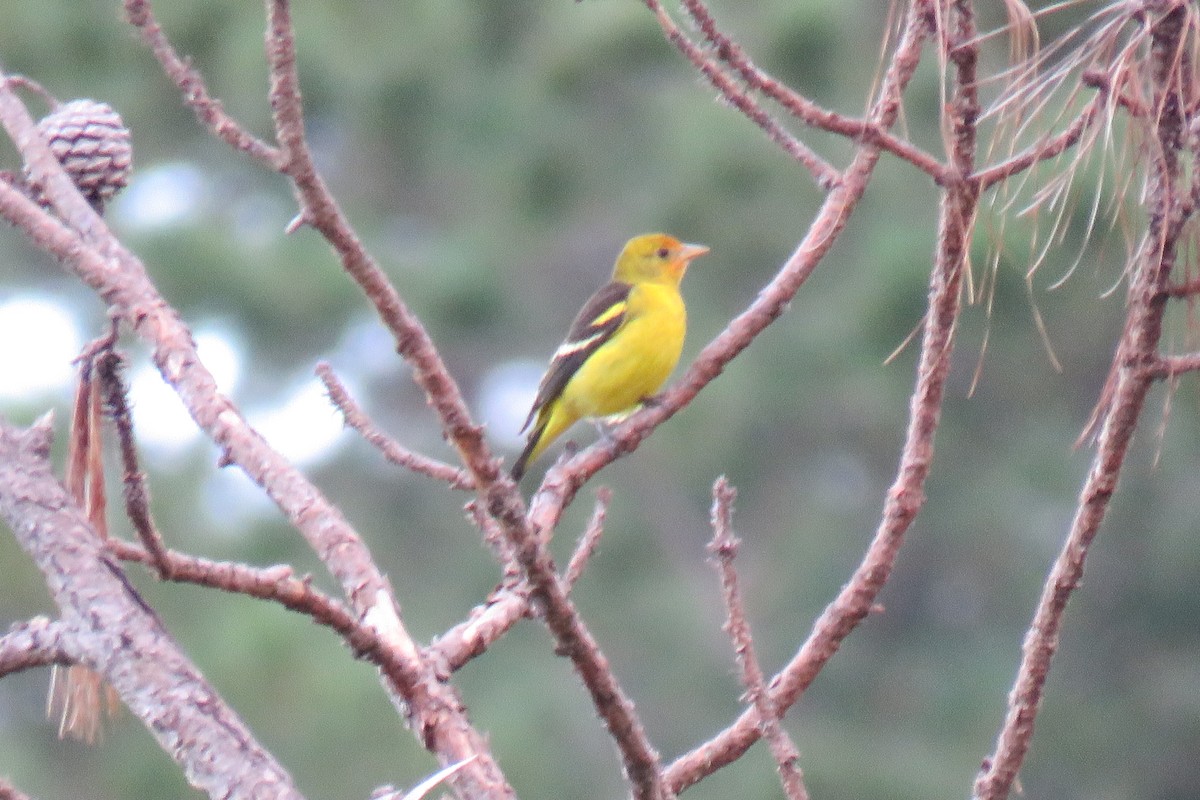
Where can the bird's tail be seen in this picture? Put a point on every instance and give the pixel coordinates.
(549, 425)
(533, 448)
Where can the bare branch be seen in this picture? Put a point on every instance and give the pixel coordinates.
(724, 547)
(1137, 350)
(796, 104)
(486, 624)
(823, 173)
(392, 450)
(106, 626)
(320, 210)
(906, 494)
(590, 539)
(10, 792)
(277, 583)
(510, 603)
(208, 109)
(137, 494)
(575, 641)
(121, 279)
(1167, 367)
(1184, 289)
(36, 643)
(495, 537)
(1049, 147)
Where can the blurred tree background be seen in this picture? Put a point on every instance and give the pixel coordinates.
(496, 156)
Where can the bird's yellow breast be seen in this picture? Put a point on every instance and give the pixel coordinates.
(639, 358)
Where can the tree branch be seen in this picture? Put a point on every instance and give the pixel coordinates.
(106, 626)
(724, 547)
(590, 539)
(10, 792)
(1049, 147)
(320, 210)
(208, 109)
(822, 172)
(486, 623)
(575, 641)
(906, 494)
(1137, 354)
(137, 496)
(1166, 367)
(120, 278)
(36, 643)
(392, 450)
(795, 103)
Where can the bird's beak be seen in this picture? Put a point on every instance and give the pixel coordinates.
(690, 251)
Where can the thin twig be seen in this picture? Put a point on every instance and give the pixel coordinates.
(392, 450)
(208, 109)
(796, 104)
(1137, 350)
(590, 539)
(485, 625)
(35, 643)
(724, 547)
(98, 345)
(137, 493)
(1167, 367)
(905, 497)
(822, 172)
(1184, 289)
(321, 211)
(10, 792)
(1048, 148)
(494, 537)
(277, 584)
(88, 249)
(575, 641)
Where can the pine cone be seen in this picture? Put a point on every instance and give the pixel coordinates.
(90, 141)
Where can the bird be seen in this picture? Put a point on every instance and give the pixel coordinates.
(622, 346)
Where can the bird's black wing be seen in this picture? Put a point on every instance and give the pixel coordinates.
(594, 325)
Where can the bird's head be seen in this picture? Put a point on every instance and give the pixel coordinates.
(656, 258)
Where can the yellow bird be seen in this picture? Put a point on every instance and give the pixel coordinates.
(622, 346)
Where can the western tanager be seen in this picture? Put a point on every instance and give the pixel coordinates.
(621, 347)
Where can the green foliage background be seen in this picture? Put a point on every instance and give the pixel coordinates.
(495, 156)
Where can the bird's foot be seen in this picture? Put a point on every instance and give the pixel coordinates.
(604, 427)
(653, 401)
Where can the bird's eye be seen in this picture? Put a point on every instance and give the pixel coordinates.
(663, 252)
